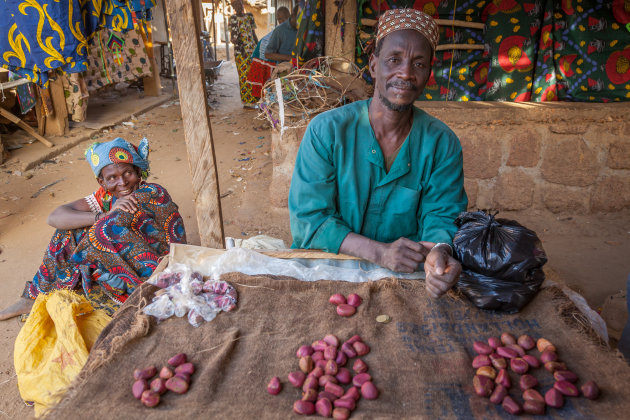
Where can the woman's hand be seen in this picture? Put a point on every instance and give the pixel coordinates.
(128, 204)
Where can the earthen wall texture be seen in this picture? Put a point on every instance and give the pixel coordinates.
(563, 158)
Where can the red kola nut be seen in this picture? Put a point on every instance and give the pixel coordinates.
(565, 375)
(526, 342)
(511, 406)
(177, 384)
(503, 379)
(310, 395)
(533, 395)
(354, 339)
(481, 360)
(348, 350)
(187, 368)
(590, 390)
(507, 352)
(361, 348)
(158, 385)
(518, 349)
(352, 392)
(330, 353)
(341, 358)
(323, 380)
(323, 407)
(138, 387)
(527, 381)
(337, 299)
(482, 348)
(305, 408)
(334, 389)
(274, 387)
(360, 379)
(554, 366)
(487, 371)
(483, 385)
(310, 383)
(554, 398)
(531, 361)
(497, 361)
(519, 365)
(319, 345)
(354, 300)
(318, 355)
(306, 364)
(166, 373)
(346, 310)
(331, 368)
(341, 413)
(566, 388)
(304, 351)
(348, 403)
(507, 338)
(332, 340)
(494, 342)
(327, 395)
(498, 395)
(297, 379)
(543, 344)
(369, 391)
(534, 407)
(183, 376)
(548, 356)
(318, 371)
(320, 364)
(359, 366)
(344, 376)
(178, 359)
(150, 398)
(146, 373)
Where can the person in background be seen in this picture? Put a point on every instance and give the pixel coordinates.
(261, 68)
(282, 39)
(381, 179)
(624, 341)
(109, 242)
(244, 38)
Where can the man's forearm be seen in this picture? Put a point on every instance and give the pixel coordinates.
(361, 247)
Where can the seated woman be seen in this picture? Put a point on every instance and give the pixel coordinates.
(109, 242)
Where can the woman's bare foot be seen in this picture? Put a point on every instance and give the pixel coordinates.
(22, 306)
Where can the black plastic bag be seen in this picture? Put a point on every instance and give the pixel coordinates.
(501, 259)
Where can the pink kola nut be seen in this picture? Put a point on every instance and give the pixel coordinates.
(354, 300)
(334, 389)
(400, 19)
(187, 368)
(337, 299)
(360, 379)
(166, 373)
(344, 376)
(346, 310)
(354, 339)
(481, 360)
(323, 380)
(341, 358)
(158, 385)
(323, 407)
(318, 355)
(319, 345)
(310, 395)
(348, 350)
(274, 387)
(297, 379)
(352, 392)
(340, 413)
(330, 353)
(139, 386)
(177, 360)
(359, 366)
(318, 371)
(331, 368)
(361, 348)
(369, 391)
(332, 340)
(304, 407)
(321, 363)
(348, 403)
(304, 351)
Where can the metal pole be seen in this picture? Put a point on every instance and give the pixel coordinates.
(225, 31)
(214, 29)
(170, 49)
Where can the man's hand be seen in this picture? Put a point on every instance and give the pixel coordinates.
(402, 255)
(128, 203)
(442, 270)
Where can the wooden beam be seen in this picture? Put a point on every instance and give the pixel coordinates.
(185, 32)
(57, 123)
(9, 116)
(440, 22)
(334, 46)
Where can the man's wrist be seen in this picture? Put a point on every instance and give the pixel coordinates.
(445, 246)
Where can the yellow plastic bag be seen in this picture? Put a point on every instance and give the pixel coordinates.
(54, 344)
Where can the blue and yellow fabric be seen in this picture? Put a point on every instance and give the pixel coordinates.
(119, 150)
(41, 35)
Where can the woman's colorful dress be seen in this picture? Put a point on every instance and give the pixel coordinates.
(244, 40)
(112, 257)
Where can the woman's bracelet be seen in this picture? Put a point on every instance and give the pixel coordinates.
(97, 216)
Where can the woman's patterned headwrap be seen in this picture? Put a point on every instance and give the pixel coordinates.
(399, 19)
(119, 150)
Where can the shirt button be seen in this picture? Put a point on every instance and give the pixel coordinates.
(409, 164)
(373, 151)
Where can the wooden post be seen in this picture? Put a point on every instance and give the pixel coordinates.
(184, 24)
(57, 124)
(334, 46)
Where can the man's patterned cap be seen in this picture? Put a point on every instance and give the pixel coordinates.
(399, 19)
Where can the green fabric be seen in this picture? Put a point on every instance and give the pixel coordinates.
(340, 184)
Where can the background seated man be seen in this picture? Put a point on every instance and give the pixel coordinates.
(282, 14)
(381, 179)
(283, 39)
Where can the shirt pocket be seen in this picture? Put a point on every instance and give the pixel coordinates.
(401, 212)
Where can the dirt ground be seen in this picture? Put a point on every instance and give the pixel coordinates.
(589, 253)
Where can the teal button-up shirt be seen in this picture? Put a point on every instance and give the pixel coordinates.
(340, 185)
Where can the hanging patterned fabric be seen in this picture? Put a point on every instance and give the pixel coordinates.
(538, 50)
(309, 42)
(37, 36)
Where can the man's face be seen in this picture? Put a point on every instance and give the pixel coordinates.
(401, 69)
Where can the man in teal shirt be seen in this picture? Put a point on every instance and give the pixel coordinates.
(381, 179)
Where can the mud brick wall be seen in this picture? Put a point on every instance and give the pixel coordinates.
(561, 157)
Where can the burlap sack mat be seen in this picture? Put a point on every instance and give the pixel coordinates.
(421, 361)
